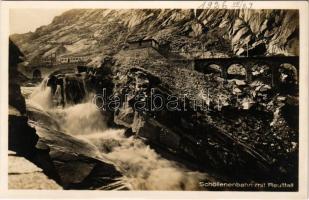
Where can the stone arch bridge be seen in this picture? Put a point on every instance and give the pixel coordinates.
(273, 62)
(44, 70)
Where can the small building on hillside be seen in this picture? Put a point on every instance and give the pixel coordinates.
(41, 60)
(74, 59)
(142, 42)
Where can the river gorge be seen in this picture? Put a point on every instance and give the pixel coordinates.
(144, 99)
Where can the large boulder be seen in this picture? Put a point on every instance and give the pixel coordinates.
(76, 162)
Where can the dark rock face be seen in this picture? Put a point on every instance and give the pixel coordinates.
(15, 98)
(67, 89)
(75, 90)
(22, 138)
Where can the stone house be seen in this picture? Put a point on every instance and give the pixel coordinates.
(139, 43)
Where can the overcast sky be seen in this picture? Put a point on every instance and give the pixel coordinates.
(25, 20)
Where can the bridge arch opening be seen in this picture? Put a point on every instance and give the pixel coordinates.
(288, 78)
(213, 69)
(289, 71)
(261, 72)
(36, 74)
(236, 71)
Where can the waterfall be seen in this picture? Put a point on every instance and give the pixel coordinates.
(42, 95)
(57, 98)
(59, 91)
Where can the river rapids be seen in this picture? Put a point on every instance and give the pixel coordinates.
(141, 166)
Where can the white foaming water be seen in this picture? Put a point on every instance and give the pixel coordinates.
(141, 166)
(81, 119)
(42, 96)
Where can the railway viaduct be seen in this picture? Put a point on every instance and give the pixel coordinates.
(41, 70)
(223, 64)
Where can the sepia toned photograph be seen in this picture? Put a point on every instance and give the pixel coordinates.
(203, 99)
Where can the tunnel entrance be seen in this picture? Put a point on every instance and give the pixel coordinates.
(36, 75)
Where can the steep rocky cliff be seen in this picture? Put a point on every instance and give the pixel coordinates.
(229, 32)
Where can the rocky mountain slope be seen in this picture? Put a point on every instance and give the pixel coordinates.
(99, 31)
